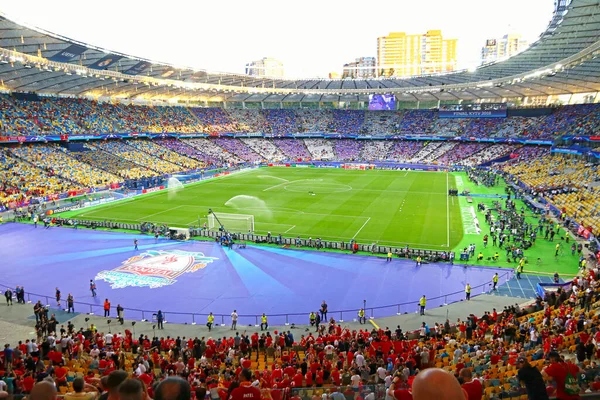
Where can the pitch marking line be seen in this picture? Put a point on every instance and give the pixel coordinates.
(361, 228)
(160, 212)
(447, 211)
(290, 229)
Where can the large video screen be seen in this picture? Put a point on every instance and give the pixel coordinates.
(382, 102)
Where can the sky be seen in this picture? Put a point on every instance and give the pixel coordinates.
(310, 37)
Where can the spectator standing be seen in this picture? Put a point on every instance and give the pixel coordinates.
(565, 375)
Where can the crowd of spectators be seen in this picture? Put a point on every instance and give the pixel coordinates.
(404, 151)
(238, 148)
(214, 154)
(166, 155)
(376, 150)
(320, 149)
(348, 149)
(279, 121)
(138, 157)
(70, 116)
(460, 152)
(489, 154)
(22, 181)
(346, 121)
(100, 159)
(184, 148)
(294, 149)
(56, 160)
(265, 148)
(569, 183)
(517, 351)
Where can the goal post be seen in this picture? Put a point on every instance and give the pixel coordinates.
(241, 223)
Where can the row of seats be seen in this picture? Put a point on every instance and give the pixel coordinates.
(63, 116)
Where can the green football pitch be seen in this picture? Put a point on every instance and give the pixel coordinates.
(388, 207)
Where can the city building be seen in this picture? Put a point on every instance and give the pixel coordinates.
(402, 55)
(500, 49)
(362, 67)
(266, 66)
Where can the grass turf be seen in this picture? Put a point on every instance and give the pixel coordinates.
(388, 207)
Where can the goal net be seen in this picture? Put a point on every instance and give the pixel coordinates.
(241, 223)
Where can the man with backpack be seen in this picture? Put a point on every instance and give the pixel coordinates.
(564, 375)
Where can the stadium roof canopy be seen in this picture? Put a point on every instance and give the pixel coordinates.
(564, 60)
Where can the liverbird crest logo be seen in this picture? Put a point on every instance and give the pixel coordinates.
(154, 268)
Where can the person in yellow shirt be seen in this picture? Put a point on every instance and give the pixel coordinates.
(422, 304)
(495, 281)
(210, 321)
(361, 317)
(468, 291)
(389, 255)
(264, 324)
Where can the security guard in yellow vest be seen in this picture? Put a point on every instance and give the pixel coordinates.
(495, 280)
(361, 316)
(422, 304)
(264, 325)
(210, 321)
(468, 291)
(312, 317)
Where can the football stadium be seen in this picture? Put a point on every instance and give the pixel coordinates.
(178, 233)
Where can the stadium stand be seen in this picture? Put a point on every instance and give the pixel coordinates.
(492, 347)
(568, 183)
(214, 154)
(237, 147)
(264, 148)
(58, 161)
(294, 149)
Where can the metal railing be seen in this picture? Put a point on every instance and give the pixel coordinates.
(97, 308)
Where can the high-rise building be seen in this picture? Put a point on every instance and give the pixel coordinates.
(500, 49)
(362, 67)
(399, 54)
(266, 66)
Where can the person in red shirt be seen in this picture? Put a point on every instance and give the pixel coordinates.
(558, 370)
(335, 377)
(298, 379)
(289, 370)
(309, 379)
(399, 390)
(60, 374)
(473, 387)
(28, 383)
(245, 391)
